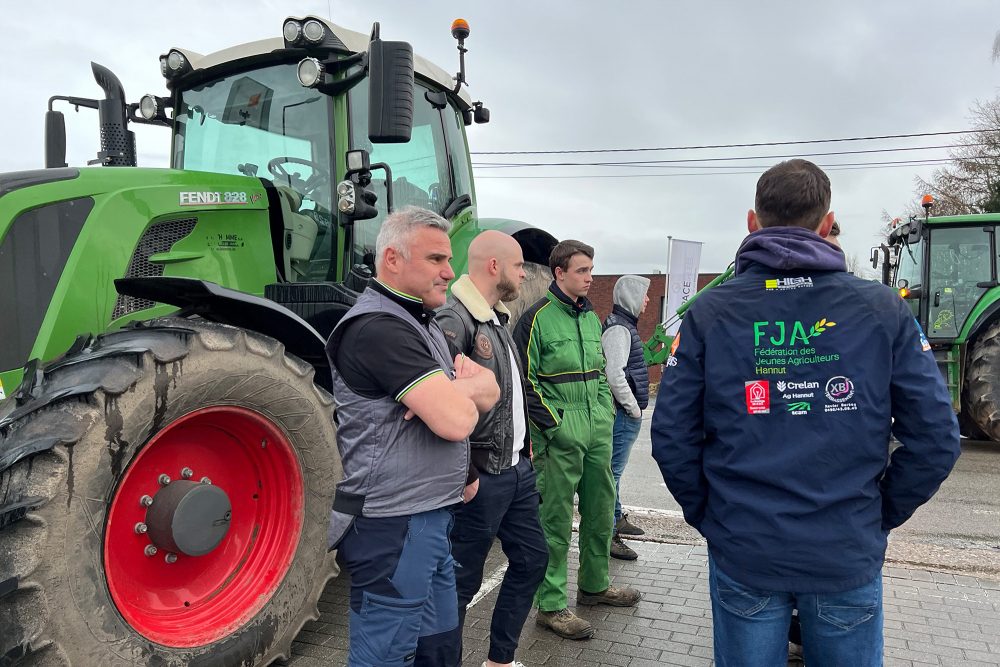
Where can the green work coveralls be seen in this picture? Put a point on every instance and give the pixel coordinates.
(570, 418)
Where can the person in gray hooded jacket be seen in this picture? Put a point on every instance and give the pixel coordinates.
(629, 381)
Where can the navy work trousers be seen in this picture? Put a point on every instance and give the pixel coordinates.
(505, 507)
(403, 596)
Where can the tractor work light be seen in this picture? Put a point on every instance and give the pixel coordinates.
(175, 61)
(346, 194)
(291, 31)
(927, 201)
(309, 72)
(148, 107)
(313, 31)
(358, 161)
(174, 64)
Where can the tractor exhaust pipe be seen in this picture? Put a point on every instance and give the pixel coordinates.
(117, 141)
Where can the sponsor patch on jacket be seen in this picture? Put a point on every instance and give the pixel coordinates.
(925, 344)
(758, 397)
(672, 359)
(839, 391)
(483, 347)
(787, 283)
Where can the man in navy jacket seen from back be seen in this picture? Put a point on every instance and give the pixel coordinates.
(772, 428)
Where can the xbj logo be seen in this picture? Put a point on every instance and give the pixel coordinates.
(839, 389)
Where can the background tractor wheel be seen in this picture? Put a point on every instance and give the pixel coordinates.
(164, 499)
(981, 406)
(535, 285)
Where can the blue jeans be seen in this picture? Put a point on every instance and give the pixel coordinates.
(506, 507)
(403, 596)
(838, 629)
(625, 432)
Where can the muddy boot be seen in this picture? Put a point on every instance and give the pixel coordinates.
(615, 597)
(565, 623)
(625, 527)
(620, 550)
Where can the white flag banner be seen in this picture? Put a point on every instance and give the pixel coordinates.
(682, 278)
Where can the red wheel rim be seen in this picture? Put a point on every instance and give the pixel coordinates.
(196, 600)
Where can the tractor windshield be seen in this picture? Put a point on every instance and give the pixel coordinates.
(960, 271)
(431, 170)
(264, 123)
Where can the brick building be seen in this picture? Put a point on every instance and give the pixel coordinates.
(601, 296)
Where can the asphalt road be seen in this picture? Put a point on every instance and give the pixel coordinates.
(958, 530)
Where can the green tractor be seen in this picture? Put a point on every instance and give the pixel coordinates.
(945, 267)
(167, 443)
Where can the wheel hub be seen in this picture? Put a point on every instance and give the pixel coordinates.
(189, 518)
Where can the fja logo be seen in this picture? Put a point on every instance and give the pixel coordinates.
(758, 397)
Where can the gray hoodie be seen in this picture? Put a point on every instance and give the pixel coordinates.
(629, 292)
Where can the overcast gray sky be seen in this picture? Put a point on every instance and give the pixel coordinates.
(584, 75)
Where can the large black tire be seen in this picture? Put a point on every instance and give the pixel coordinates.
(981, 401)
(97, 407)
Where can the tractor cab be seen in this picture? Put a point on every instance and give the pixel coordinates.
(290, 110)
(945, 268)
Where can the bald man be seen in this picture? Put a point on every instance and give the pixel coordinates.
(506, 505)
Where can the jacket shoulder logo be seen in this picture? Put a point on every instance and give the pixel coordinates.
(483, 347)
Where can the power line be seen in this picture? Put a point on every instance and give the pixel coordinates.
(650, 163)
(711, 146)
(834, 167)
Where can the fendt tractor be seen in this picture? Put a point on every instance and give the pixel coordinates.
(945, 267)
(167, 443)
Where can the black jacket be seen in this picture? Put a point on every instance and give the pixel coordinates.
(467, 322)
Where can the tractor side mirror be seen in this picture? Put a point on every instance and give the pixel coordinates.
(55, 139)
(874, 257)
(390, 92)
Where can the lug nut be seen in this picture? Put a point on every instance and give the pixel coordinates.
(187, 473)
(164, 479)
(170, 558)
(150, 550)
(140, 528)
(206, 480)
(146, 501)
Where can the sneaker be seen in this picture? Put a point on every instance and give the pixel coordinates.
(620, 550)
(625, 527)
(615, 597)
(565, 623)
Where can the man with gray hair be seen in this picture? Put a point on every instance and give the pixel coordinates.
(405, 410)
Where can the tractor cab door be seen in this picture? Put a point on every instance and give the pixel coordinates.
(263, 123)
(961, 267)
(430, 171)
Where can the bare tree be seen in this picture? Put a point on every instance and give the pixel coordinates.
(971, 183)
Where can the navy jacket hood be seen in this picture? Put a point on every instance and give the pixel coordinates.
(789, 249)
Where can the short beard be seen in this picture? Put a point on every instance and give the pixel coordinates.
(508, 290)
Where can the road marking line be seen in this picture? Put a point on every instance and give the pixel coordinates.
(653, 512)
(489, 584)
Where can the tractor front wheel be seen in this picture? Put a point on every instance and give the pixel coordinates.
(168, 503)
(980, 416)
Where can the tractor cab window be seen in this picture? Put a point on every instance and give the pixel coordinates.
(909, 270)
(263, 123)
(428, 171)
(959, 260)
